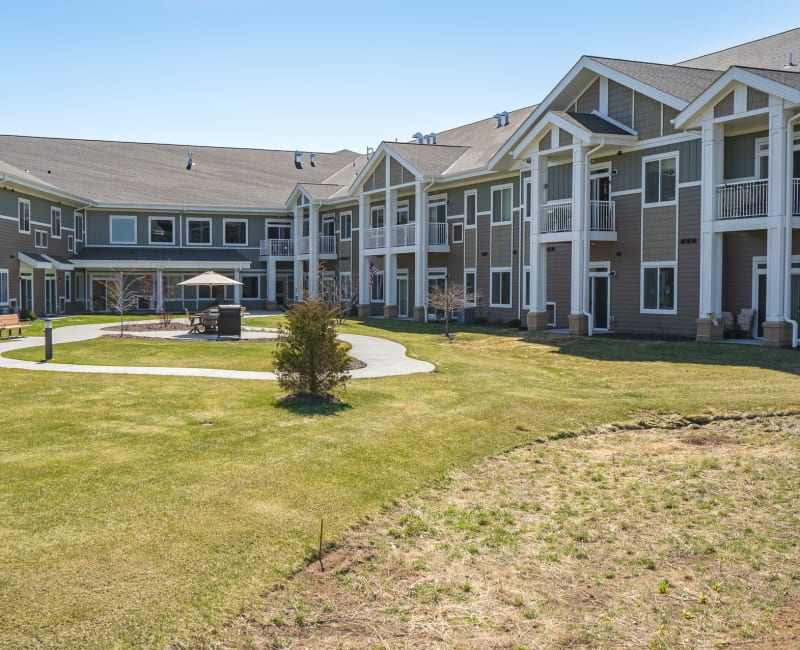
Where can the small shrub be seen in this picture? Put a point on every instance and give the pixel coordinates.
(514, 323)
(480, 320)
(27, 314)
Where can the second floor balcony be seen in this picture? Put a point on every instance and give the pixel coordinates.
(742, 200)
(276, 248)
(556, 216)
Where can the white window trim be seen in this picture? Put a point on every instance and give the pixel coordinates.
(119, 217)
(150, 231)
(39, 238)
(501, 269)
(258, 277)
(4, 274)
(348, 215)
(469, 193)
(55, 218)
(760, 153)
(246, 231)
(460, 226)
(373, 210)
(547, 304)
(661, 156)
(70, 243)
(475, 273)
(348, 276)
(382, 299)
(526, 277)
(659, 265)
(20, 204)
(210, 231)
(76, 214)
(402, 206)
(67, 286)
(501, 188)
(527, 210)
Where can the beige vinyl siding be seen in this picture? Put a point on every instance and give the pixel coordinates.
(559, 258)
(756, 99)
(620, 103)
(724, 106)
(590, 99)
(659, 229)
(738, 251)
(647, 117)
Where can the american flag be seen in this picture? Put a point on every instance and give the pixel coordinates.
(373, 271)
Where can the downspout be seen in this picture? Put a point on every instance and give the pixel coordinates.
(426, 233)
(586, 226)
(521, 258)
(787, 292)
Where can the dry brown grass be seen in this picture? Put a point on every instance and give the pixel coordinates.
(676, 535)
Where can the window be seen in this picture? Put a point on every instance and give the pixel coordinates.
(24, 210)
(470, 285)
(198, 232)
(68, 286)
(501, 288)
(250, 287)
(70, 244)
(458, 233)
(78, 225)
(528, 197)
(345, 286)
(162, 230)
(762, 157)
(502, 204)
(376, 217)
(40, 238)
(122, 230)
(3, 286)
(376, 290)
(470, 208)
(346, 225)
(401, 214)
(660, 179)
(526, 299)
(235, 232)
(55, 222)
(437, 210)
(658, 288)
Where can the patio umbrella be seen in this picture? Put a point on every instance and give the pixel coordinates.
(209, 278)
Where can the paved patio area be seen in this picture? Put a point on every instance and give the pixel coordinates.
(382, 358)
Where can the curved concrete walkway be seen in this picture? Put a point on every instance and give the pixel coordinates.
(383, 358)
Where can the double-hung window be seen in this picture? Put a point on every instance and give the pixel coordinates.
(198, 232)
(502, 204)
(660, 179)
(470, 286)
(162, 230)
(235, 232)
(55, 222)
(658, 288)
(122, 229)
(376, 290)
(470, 209)
(78, 216)
(3, 286)
(501, 288)
(346, 225)
(24, 212)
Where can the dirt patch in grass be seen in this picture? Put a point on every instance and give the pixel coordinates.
(682, 535)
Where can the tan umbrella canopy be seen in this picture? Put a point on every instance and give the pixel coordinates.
(210, 279)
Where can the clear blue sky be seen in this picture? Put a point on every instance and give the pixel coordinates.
(321, 76)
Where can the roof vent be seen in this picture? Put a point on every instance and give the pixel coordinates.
(298, 159)
(189, 163)
(791, 63)
(370, 151)
(313, 160)
(418, 137)
(500, 119)
(431, 138)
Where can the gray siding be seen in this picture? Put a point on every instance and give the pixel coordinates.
(559, 258)
(559, 182)
(501, 245)
(398, 175)
(629, 165)
(740, 155)
(669, 114)
(620, 103)
(647, 117)
(738, 251)
(376, 180)
(564, 138)
(545, 142)
(756, 99)
(590, 99)
(688, 263)
(658, 234)
(724, 106)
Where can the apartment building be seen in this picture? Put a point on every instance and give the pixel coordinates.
(637, 197)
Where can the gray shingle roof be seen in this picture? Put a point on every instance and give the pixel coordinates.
(156, 174)
(592, 123)
(428, 159)
(785, 77)
(771, 52)
(681, 82)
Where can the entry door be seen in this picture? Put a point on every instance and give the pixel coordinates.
(599, 297)
(280, 289)
(761, 301)
(50, 295)
(402, 296)
(26, 292)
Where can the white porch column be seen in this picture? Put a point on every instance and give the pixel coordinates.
(710, 240)
(313, 250)
(537, 316)
(272, 267)
(237, 289)
(297, 229)
(159, 291)
(420, 252)
(363, 260)
(578, 322)
(389, 260)
(777, 270)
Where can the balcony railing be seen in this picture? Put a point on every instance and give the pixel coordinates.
(602, 216)
(557, 216)
(327, 245)
(374, 238)
(404, 234)
(437, 234)
(742, 200)
(796, 197)
(303, 246)
(277, 247)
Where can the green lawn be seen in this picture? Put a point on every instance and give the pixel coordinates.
(139, 510)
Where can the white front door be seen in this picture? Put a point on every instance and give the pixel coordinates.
(402, 294)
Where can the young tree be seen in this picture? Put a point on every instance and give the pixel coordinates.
(309, 361)
(124, 293)
(450, 298)
(339, 294)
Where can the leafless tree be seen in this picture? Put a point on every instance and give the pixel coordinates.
(124, 293)
(450, 298)
(339, 293)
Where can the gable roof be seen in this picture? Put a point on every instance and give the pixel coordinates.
(771, 52)
(593, 123)
(132, 173)
(427, 159)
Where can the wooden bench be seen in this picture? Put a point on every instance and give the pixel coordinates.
(11, 322)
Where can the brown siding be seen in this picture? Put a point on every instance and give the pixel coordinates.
(625, 262)
(545, 142)
(658, 234)
(395, 172)
(688, 263)
(669, 114)
(647, 117)
(724, 106)
(738, 251)
(590, 100)
(482, 277)
(501, 245)
(620, 103)
(559, 258)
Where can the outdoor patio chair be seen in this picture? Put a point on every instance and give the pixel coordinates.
(744, 322)
(728, 324)
(194, 322)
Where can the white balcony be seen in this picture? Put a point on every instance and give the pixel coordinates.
(404, 234)
(796, 197)
(327, 245)
(742, 200)
(276, 248)
(374, 238)
(556, 216)
(303, 246)
(437, 234)
(602, 216)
